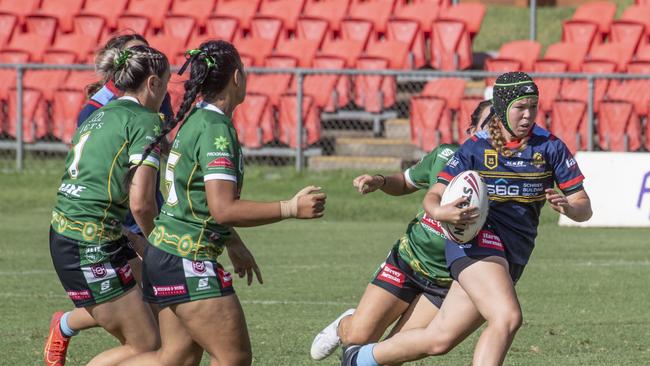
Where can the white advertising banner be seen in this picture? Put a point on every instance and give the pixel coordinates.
(619, 187)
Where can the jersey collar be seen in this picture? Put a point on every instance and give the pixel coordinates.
(210, 107)
(128, 97)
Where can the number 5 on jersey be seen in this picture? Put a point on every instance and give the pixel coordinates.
(172, 198)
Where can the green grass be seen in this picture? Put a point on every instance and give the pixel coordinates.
(584, 295)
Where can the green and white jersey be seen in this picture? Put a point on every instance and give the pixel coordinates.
(423, 246)
(92, 200)
(205, 148)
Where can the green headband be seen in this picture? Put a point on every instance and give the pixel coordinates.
(120, 61)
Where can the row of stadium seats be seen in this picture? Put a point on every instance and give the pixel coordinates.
(287, 27)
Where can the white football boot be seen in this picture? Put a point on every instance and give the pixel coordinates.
(326, 342)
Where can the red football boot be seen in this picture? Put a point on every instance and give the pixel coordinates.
(57, 344)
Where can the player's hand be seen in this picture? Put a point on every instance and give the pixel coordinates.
(310, 203)
(243, 262)
(456, 213)
(367, 183)
(557, 201)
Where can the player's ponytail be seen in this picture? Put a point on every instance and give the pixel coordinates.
(104, 66)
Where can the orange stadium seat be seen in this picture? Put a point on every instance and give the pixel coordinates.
(303, 50)
(55, 78)
(272, 85)
(255, 48)
(171, 46)
(34, 115)
(581, 32)
(134, 23)
(636, 92)
(315, 29)
(408, 31)
(430, 122)
(200, 10)
(8, 24)
(628, 32)
(500, 65)
(449, 89)
(110, 10)
(268, 28)
(287, 10)
(45, 26)
(79, 80)
(471, 14)
(90, 26)
(73, 43)
(348, 49)
(330, 91)
(421, 12)
(467, 106)
(242, 10)
(600, 12)
(524, 51)
(549, 88)
(333, 11)
(33, 44)
(570, 53)
(377, 12)
(396, 52)
(59, 57)
(20, 8)
(569, 123)
(287, 121)
(155, 10)
(64, 14)
(639, 14)
(374, 92)
(254, 121)
(66, 107)
(357, 30)
(618, 53)
(451, 47)
(619, 128)
(578, 89)
(221, 27)
(180, 26)
(8, 76)
(176, 89)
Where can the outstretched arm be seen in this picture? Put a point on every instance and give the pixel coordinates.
(576, 206)
(394, 184)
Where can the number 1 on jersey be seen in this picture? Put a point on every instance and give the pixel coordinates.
(172, 198)
(73, 170)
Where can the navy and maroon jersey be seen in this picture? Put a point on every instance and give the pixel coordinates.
(516, 184)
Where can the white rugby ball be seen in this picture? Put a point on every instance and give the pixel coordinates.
(466, 184)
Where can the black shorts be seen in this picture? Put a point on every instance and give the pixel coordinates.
(168, 279)
(398, 278)
(91, 273)
(516, 270)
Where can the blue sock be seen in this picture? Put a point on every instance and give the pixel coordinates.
(365, 357)
(65, 328)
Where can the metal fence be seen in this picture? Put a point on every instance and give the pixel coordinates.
(299, 120)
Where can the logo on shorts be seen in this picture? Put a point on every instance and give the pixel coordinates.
(169, 290)
(98, 270)
(126, 274)
(204, 284)
(392, 275)
(105, 286)
(224, 277)
(79, 295)
(488, 239)
(92, 254)
(198, 267)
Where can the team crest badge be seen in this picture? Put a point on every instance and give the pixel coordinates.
(490, 159)
(538, 160)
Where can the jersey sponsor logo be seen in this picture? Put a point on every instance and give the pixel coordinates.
(570, 163)
(221, 163)
(125, 273)
(538, 160)
(392, 275)
(453, 162)
(446, 153)
(515, 163)
(224, 277)
(198, 267)
(221, 143)
(71, 189)
(98, 270)
(490, 159)
(433, 225)
(172, 290)
(488, 239)
(218, 153)
(79, 295)
(503, 188)
(92, 254)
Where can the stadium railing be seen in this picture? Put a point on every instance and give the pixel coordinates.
(374, 96)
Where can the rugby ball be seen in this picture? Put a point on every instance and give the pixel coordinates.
(466, 184)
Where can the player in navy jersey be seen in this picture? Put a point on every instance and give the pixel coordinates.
(520, 163)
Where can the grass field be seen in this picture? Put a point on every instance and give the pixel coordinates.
(584, 295)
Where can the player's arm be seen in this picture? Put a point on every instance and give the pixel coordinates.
(142, 197)
(242, 259)
(394, 184)
(227, 209)
(574, 202)
(576, 206)
(450, 213)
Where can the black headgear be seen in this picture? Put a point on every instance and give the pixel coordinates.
(509, 88)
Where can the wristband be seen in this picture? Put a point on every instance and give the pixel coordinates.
(289, 209)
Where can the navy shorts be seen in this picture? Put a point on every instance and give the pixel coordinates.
(398, 278)
(91, 273)
(168, 279)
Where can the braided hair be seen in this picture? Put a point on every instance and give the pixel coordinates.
(475, 121)
(212, 66)
(105, 68)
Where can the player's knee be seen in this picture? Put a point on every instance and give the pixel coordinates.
(351, 333)
(146, 342)
(234, 359)
(438, 346)
(507, 322)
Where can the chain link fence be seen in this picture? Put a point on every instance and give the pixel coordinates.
(335, 118)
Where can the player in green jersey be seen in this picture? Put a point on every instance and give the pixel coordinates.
(413, 281)
(205, 174)
(107, 173)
